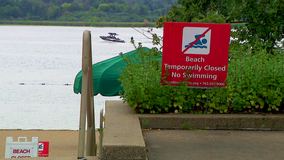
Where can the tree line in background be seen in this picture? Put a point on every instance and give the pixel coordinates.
(85, 10)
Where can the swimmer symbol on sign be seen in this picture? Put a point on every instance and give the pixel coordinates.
(196, 40)
(40, 146)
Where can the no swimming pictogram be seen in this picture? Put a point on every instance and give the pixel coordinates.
(196, 40)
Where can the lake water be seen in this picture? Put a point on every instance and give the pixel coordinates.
(36, 63)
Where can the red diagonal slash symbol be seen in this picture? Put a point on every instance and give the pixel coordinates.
(196, 40)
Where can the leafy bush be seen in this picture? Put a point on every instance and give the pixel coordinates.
(255, 84)
(141, 82)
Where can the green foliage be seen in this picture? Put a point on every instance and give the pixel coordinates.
(52, 12)
(139, 79)
(66, 6)
(212, 11)
(84, 10)
(255, 71)
(95, 19)
(264, 24)
(255, 84)
(209, 17)
(141, 82)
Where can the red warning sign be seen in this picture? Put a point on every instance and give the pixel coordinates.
(43, 149)
(201, 48)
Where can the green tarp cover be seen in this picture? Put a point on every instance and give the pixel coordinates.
(105, 75)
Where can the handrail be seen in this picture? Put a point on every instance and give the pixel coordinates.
(87, 101)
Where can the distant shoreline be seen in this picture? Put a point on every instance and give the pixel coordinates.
(88, 24)
(81, 24)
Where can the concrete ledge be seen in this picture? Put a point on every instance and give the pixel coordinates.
(211, 121)
(123, 138)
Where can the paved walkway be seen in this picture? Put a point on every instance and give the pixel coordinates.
(123, 137)
(214, 145)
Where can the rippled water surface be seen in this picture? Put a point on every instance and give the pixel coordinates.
(36, 63)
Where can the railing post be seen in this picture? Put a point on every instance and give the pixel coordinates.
(91, 134)
(101, 130)
(87, 101)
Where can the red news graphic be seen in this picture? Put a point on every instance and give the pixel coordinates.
(200, 48)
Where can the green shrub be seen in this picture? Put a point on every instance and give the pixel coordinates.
(141, 82)
(254, 84)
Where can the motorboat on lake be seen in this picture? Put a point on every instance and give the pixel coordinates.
(112, 37)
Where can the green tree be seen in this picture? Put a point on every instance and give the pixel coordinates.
(209, 17)
(264, 22)
(76, 7)
(95, 19)
(264, 19)
(83, 10)
(8, 11)
(112, 8)
(144, 10)
(192, 9)
(38, 7)
(23, 7)
(53, 12)
(66, 6)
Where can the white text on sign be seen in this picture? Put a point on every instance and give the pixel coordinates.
(190, 59)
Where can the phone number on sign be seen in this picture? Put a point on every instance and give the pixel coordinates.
(213, 84)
